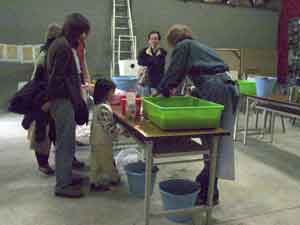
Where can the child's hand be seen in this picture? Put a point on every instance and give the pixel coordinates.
(125, 133)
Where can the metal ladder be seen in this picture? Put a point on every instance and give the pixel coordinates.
(122, 39)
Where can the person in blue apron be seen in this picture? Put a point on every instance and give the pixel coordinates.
(208, 73)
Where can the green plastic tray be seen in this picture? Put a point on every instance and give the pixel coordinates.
(247, 87)
(182, 112)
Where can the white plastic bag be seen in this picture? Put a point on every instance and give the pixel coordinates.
(125, 157)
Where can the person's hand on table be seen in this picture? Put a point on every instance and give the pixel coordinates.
(165, 93)
(155, 94)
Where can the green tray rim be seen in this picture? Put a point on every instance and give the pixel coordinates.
(212, 106)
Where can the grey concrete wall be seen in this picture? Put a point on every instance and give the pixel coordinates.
(217, 26)
(25, 22)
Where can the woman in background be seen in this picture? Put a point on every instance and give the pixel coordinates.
(152, 59)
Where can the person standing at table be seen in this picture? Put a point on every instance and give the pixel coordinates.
(207, 71)
(104, 129)
(66, 103)
(152, 59)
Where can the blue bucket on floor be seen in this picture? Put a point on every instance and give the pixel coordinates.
(125, 83)
(136, 178)
(265, 86)
(179, 194)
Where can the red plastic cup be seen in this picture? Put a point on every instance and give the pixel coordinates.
(123, 105)
(138, 105)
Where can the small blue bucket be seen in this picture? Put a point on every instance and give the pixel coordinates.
(265, 86)
(125, 83)
(136, 178)
(178, 194)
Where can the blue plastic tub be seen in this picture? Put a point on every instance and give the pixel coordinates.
(178, 194)
(125, 83)
(136, 178)
(265, 86)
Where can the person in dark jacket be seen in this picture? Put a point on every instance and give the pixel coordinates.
(207, 71)
(39, 121)
(153, 60)
(66, 101)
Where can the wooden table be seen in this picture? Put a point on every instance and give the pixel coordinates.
(159, 143)
(276, 105)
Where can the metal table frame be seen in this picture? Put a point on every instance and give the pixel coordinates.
(276, 105)
(139, 129)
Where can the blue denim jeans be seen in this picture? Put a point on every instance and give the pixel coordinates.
(64, 118)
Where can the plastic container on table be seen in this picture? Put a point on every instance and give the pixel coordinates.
(265, 86)
(247, 87)
(125, 83)
(182, 112)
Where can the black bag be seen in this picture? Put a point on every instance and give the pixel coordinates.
(81, 114)
(79, 105)
(28, 98)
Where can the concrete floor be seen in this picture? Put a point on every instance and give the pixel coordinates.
(266, 191)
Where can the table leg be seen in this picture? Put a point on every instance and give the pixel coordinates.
(148, 174)
(213, 145)
(256, 119)
(270, 123)
(283, 124)
(236, 124)
(273, 116)
(263, 130)
(246, 121)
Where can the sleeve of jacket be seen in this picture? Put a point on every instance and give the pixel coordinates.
(142, 61)
(176, 71)
(62, 60)
(105, 118)
(159, 60)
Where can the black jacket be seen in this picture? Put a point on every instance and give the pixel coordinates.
(64, 79)
(29, 100)
(155, 62)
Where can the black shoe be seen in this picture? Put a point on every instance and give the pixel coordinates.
(115, 183)
(70, 191)
(202, 200)
(47, 170)
(77, 179)
(81, 144)
(77, 164)
(99, 188)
